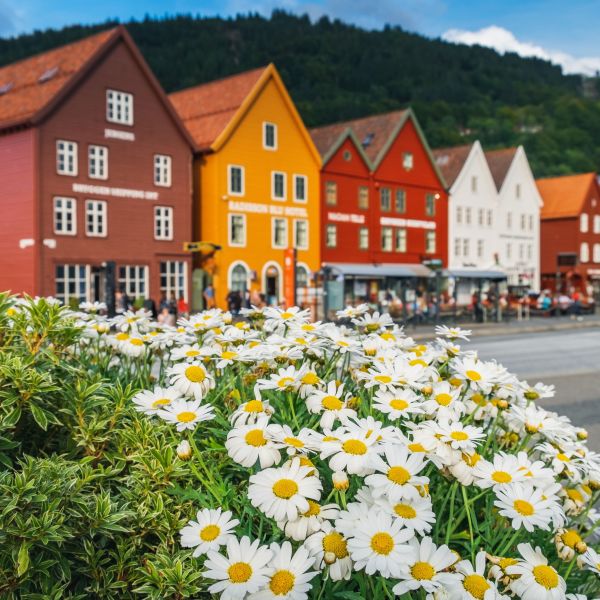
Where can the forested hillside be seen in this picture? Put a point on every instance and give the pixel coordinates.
(337, 71)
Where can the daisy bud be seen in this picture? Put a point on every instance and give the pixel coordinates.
(581, 547)
(531, 395)
(340, 480)
(329, 558)
(427, 389)
(353, 402)
(594, 484)
(184, 450)
(502, 404)
(582, 434)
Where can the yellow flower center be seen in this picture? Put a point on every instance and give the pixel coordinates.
(313, 509)
(332, 403)
(563, 457)
(417, 361)
(161, 402)
(443, 399)
(571, 538)
(398, 404)
(342, 343)
(292, 441)
(479, 399)
(455, 382)
(282, 582)
(210, 533)
(310, 379)
(228, 354)
(285, 488)
(136, 342)
(471, 459)
(255, 438)
(398, 475)
(285, 381)
(192, 353)
(195, 374)
(422, 570)
(574, 495)
(459, 436)
(523, 507)
(473, 375)
(382, 543)
(405, 511)
(476, 585)
(287, 315)
(186, 416)
(501, 477)
(383, 378)
(354, 447)
(387, 336)
(253, 406)
(416, 447)
(545, 576)
(333, 542)
(239, 572)
(122, 336)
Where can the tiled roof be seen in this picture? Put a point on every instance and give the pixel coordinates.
(450, 161)
(25, 95)
(207, 109)
(376, 130)
(499, 162)
(564, 196)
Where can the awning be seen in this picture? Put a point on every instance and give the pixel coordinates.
(379, 271)
(475, 274)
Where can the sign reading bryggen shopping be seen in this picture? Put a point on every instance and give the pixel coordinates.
(117, 192)
(414, 223)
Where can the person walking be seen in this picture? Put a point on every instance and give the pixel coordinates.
(209, 296)
(183, 309)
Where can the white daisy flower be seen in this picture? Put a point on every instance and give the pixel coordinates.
(286, 379)
(186, 414)
(452, 333)
(590, 560)
(251, 411)
(330, 404)
(397, 403)
(503, 470)
(191, 379)
(474, 584)
(415, 513)
(303, 442)
(209, 531)
(310, 521)
(460, 437)
(351, 312)
(443, 402)
(478, 374)
(329, 548)
(248, 444)
(189, 352)
(150, 402)
(350, 451)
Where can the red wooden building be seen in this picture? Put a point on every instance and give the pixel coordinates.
(570, 233)
(384, 205)
(96, 172)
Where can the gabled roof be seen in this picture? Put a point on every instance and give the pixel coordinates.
(207, 109)
(26, 95)
(451, 161)
(499, 162)
(564, 196)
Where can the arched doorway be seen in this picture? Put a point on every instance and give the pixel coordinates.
(272, 283)
(239, 275)
(302, 280)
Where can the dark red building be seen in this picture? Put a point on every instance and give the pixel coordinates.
(96, 172)
(384, 205)
(570, 233)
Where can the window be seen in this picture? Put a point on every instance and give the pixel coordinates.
(457, 246)
(95, 218)
(162, 170)
(508, 250)
(386, 239)
(518, 190)
(300, 186)
(163, 223)
(466, 247)
(596, 223)
(400, 201)
(468, 215)
(430, 205)
(363, 238)
(331, 193)
(302, 276)
(173, 279)
(490, 219)
(363, 197)
(279, 235)
(474, 183)
(239, 278)
(523, 222)
(407, 161)
(584, 252)
(400, 240)
(459, 213)
(597, 253)
(278, 186)
(133, 279)
(331, 236)
(235, 180)
(385, 197)
(530, 222)
(529, 251)
(98, 162)
(269, 136)
(301, 234)
(479, 248)
(521, 251)
(119, 107)
(347, 155)
(480, 216)
(65, 216)
(508, 220)
(72, 281)
(66, 158)
(430, 242)
(237, 230)
(583, 223)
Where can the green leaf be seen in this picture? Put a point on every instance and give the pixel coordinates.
(12, 418)
(23, 559)
(39, 414)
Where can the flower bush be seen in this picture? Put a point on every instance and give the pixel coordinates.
(272, 458)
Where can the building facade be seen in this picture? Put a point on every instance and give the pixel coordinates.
(258, 190)
(96, 171)
(570, 233)
(383, 204)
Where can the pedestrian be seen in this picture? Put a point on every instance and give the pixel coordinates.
(209, 296)
(182, 307)
(234, 302)
(122, 302)
(150, 306)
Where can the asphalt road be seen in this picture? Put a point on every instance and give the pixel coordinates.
(569, 359)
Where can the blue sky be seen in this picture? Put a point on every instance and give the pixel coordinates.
(558, 29)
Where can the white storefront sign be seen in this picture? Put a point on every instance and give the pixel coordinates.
(345, 217)
(103, 190)
(414, 223)
(117, 134)
(268, 209)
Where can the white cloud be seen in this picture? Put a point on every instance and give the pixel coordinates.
(502, 40)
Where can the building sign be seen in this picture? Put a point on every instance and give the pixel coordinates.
(345, 217)
(289, 276)
(117, 134)
(103, 190)
(415, 223)
(268, 209)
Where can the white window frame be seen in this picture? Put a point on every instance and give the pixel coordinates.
(596, 223)
(468, 215)
(121, 113)
(430, 235)
(474, 183)
(230, 230)
(296, 245)
(159, 223)
(64, 211)
(99, 211)
(133, 284)
(361, 236)
(490, 217)
(584, 252)
(78, 278)
(331, 228)
(457, 246)
(466, 247)
(264, 137)
(295, 179)
(408, 161)
(459, 215)
(405, 238)
(242, 180)
(584, 223)
(98, 156)
(479, 248)
(70, 150)
(162, 170)
(387, 230)
(171, 272)
(283, 246)
(273, 177)
(331, 190)
(596, 253)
